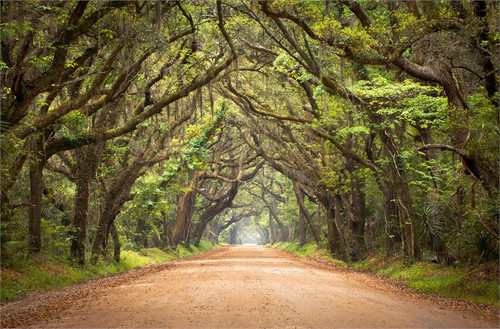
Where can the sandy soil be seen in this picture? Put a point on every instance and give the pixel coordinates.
(242, 287)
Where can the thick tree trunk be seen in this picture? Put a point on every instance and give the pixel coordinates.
(330, 218)
(486, 62)
(166, 233)
(283, 236)
(204, 219)
(335, 243)
(302, 229)
(213, 211)
(100, 239)
(100, 246)
(272, 236)
(320, 219)
(216, 232)
(116, 243)
(481, 168)
(116, 196)
(459, 110)
(233, 232)
(185, 212)
(304, 212)
(283, 231)
(339, 224)
(354, 206)
(206, 234)
(36, 192)
(264, 235)
(86, 165)
(357, 222)
(104, 228)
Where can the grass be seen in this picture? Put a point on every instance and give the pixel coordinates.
(455, 282)
(307, 250)
(41, 273)
(479, 285)
(295, 248)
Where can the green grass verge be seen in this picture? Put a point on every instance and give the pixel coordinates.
(42, 273)
(307, 250)
(479, 285)
(295, 248)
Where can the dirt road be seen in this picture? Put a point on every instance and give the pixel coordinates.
(254, 287)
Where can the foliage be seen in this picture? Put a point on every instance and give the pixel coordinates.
(45, 273)
(308, 250)
(445, 281)
(430, 227)
(383, 117)
(295, 248)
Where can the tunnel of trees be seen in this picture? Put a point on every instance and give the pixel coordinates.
(361, 126)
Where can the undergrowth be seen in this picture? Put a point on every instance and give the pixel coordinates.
(457, 282)
(46, 273)
(307, 250)
(479, 284)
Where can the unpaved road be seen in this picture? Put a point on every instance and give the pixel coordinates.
(253, 287)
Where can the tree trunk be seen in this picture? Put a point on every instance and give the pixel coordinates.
(393, 236)
(302, 229)
(357, 221)
(36, 191)
(399, 193)
(335, 243)
(216, 232)
(486, 62)
(98, 245)
(233, 232)
(408, 228)
(320, 219)
(116, 243)
(206, 234)
(283, 235)
(202, 225)
(86, 165)
(272, 236)
(115, 198)
(166, 233)
(459, 110)
(305, 213)
(185, 212)
(213, 211)
(264, 235)
(141, 234)
(339, 222)
(391, 215)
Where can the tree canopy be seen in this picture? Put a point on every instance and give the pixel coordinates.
(360, 125)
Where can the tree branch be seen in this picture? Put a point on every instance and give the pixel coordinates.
(443, 147)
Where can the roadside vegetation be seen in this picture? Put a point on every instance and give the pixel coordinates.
(48, 272)
(478, 284)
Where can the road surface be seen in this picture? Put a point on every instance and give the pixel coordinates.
(253, 287)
